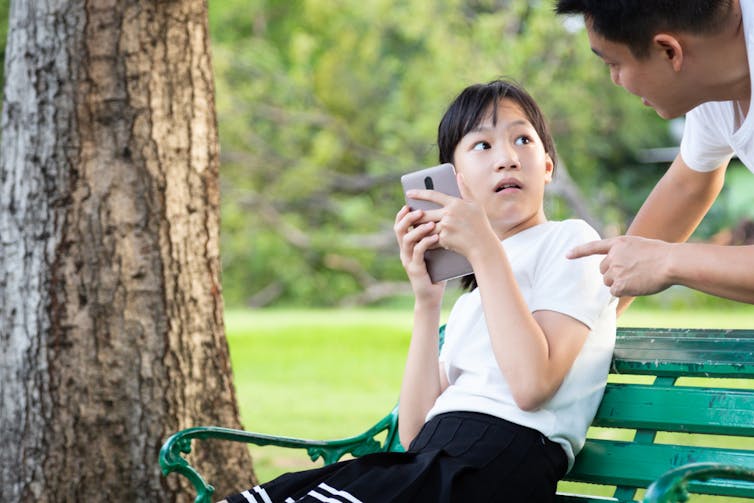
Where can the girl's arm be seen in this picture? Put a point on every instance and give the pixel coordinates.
(534, 351)
(422, 378)
(422, 382)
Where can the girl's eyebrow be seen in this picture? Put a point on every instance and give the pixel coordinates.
(517, 122)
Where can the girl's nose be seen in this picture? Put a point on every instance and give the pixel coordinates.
(506, 159)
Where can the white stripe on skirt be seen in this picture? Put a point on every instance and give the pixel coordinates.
(321, 497)
(265, 497)
(343, 494)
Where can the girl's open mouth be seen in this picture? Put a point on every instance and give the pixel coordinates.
(508, 186)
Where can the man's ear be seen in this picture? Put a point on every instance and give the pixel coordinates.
(670, 48)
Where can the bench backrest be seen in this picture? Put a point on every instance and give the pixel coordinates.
(697, 381)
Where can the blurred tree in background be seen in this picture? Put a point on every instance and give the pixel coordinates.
(4, 11)
(323, 104)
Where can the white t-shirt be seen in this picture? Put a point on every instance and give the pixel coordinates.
(548, 281)
(713, 130)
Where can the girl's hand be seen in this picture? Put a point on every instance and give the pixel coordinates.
(414, 238)
(460, 223)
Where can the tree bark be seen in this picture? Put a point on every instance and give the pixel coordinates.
(111, 322)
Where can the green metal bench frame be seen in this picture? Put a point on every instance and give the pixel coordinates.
(669, 471)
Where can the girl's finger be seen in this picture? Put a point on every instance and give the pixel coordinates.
(434, 196)
(431, 216)
(424, 244)
(402, 213)
(415, 235)
(405, 219)
(463, 188)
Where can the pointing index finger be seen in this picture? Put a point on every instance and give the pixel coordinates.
(601, 247)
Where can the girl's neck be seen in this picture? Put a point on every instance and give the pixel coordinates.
(506, 231)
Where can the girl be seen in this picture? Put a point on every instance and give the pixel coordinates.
(526, 350)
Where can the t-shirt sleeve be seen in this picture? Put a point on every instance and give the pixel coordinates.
(704, 147)
(570, 286)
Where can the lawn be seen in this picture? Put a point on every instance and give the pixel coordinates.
(332, 373)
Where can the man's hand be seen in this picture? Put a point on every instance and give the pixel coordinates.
(632, 265)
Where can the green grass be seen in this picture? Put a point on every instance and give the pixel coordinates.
(314, 374)
(326, 374)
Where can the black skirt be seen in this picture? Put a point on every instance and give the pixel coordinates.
(458, 457)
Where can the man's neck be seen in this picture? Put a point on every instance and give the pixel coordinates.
(722, 69)
(733, 62)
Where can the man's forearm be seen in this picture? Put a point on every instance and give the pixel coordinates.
(675, 207)
(724, 271)
(678, 203)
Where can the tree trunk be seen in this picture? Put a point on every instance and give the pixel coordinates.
(111, 322)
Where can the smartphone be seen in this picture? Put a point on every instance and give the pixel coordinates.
(442, 264)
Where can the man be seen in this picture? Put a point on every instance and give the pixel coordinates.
(688, 57)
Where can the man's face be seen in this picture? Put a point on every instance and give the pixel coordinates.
(653, 78)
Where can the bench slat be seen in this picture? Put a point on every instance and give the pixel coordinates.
(610, 462)
(575, 498)
(677, 409)
(679, 352)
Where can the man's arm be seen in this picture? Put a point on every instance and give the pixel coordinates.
(676, 206)
(678, 202)
(725, 271)
(637, 266)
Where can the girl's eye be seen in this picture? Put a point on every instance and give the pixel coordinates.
(523, 140)
(480, 145)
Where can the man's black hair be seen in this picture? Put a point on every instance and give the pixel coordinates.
(635, 22)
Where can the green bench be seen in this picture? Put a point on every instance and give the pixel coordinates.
(664, 385)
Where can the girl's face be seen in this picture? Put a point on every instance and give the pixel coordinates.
(506, 168)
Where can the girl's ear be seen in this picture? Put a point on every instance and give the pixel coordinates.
(549, 167)
(670, 48)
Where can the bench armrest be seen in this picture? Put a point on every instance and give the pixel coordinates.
(330, 451)
(672, 486)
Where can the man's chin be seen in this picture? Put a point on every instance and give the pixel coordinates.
(666, 114)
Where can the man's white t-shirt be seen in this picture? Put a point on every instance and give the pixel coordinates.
(714, 131)
(548, 281)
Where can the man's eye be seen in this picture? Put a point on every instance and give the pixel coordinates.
(480, 145)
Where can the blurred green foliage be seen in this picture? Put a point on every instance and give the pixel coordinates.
(322, 105)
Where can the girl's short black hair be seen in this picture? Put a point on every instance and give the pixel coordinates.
(635, 22)
(474, 105)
